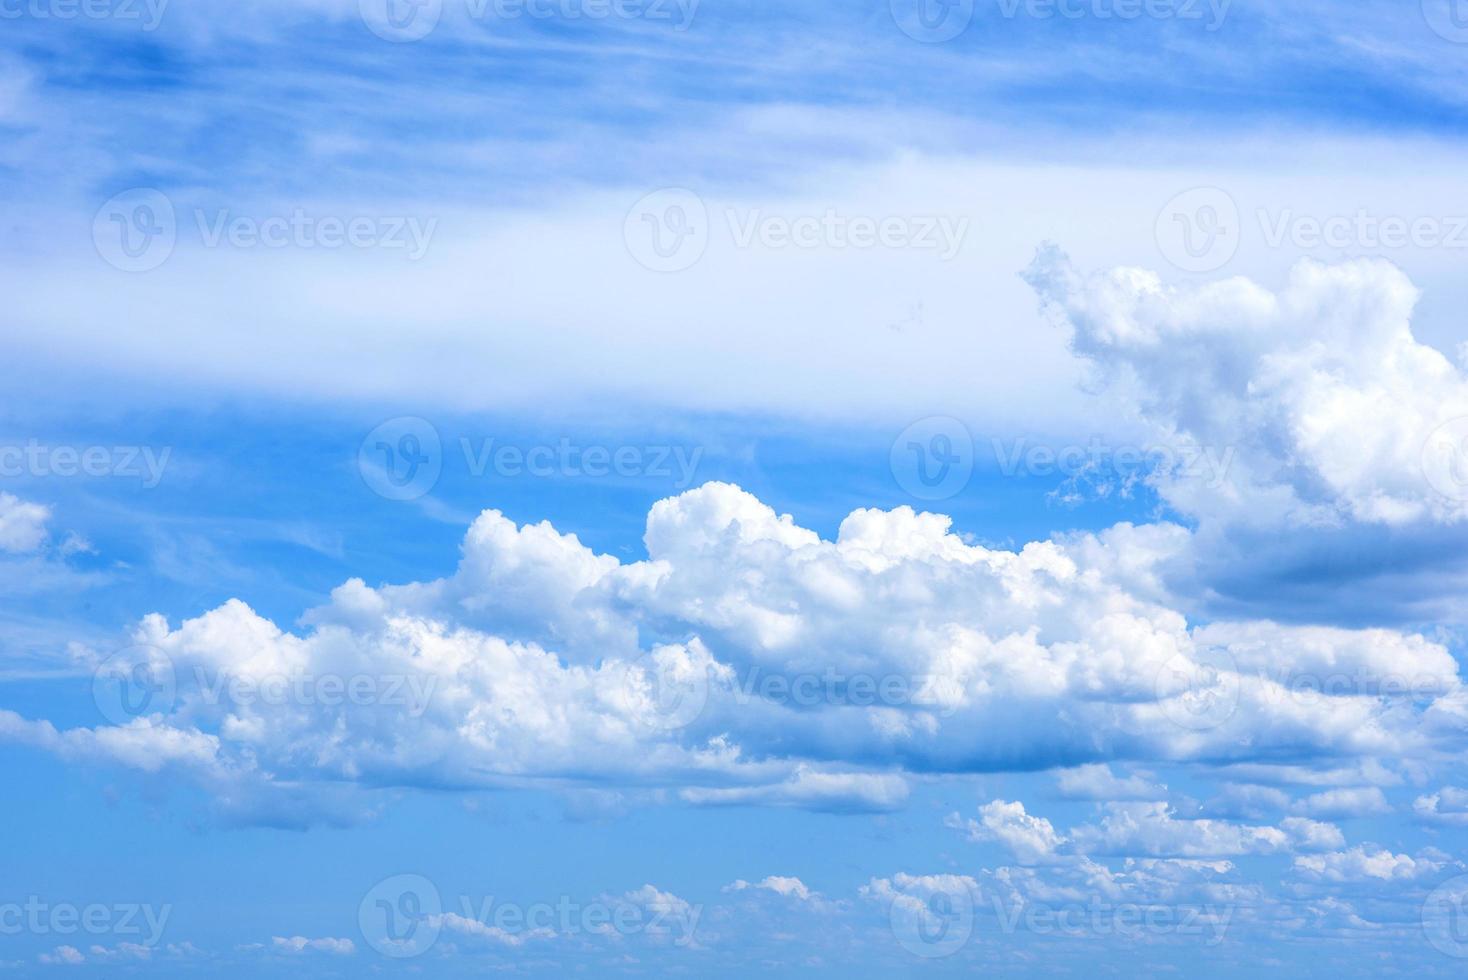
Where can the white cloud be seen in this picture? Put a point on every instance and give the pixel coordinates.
(1448, 805)
(296, 945)
(1032, 839)
(1367, 862)
(1321, 391)
(1151, 830)
(789, 887)
(22, 525)
(1357, 802)
(1097, 782)
(539, 659)
(63, 955)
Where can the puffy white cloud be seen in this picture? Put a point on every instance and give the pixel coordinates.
(1326, 400)
(22, 524)
(1032, 839)
(1367, 862)
(1151, 830)
(748, 661)
(1448, 805)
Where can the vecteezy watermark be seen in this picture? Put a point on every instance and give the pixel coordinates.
(1210, 13)
(566, 458)
(147, 13)
(402, 459)
(413, 20)
(1103, 465)
(1361, 229)
(933, 458)
(411, 691)
(145, 463)
(669, 230)
(142, 680)
(1445, 459)
(1311, 687)
(138, 230)
(668, 692)
(135, 682)
(932, 21)
(1447, 18)
(403, 916)
(1445, 917)
(1198, 230)
(935, 21)
(1096, 917)
(37, 917)
(1201, 691)
(934, 916)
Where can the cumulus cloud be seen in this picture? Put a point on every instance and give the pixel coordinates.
(1448, 805)
(1032, 839)
(748, 661)
(1321, 390)
(22, 525)
(1368, 862)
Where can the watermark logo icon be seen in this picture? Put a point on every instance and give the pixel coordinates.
(937, 925)
(665, 688)
(667, 230)
(933, 458)
(134, 683)
(401, 459)
(401, 916)
(1198, 230)
(1445, 459)
(1445, 917)
(932, 21)
(135, 231)
(1199, 692)
(1447, 18)
(400, 20)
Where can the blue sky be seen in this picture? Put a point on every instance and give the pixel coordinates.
(837, 489)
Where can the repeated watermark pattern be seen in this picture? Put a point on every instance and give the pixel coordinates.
(670, 229)
(37, 459)
(35, 916)
(404, 915)
(1448, 19)
(936, 21)
(142, 680)
(1200, 230)
(1203, 689)
(671, 694)
(1445, 459)
(934, 459)
(941, 920)
(147, 14)
(139, 229)
(1445, 917)
(403, 458)
(403, 21)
